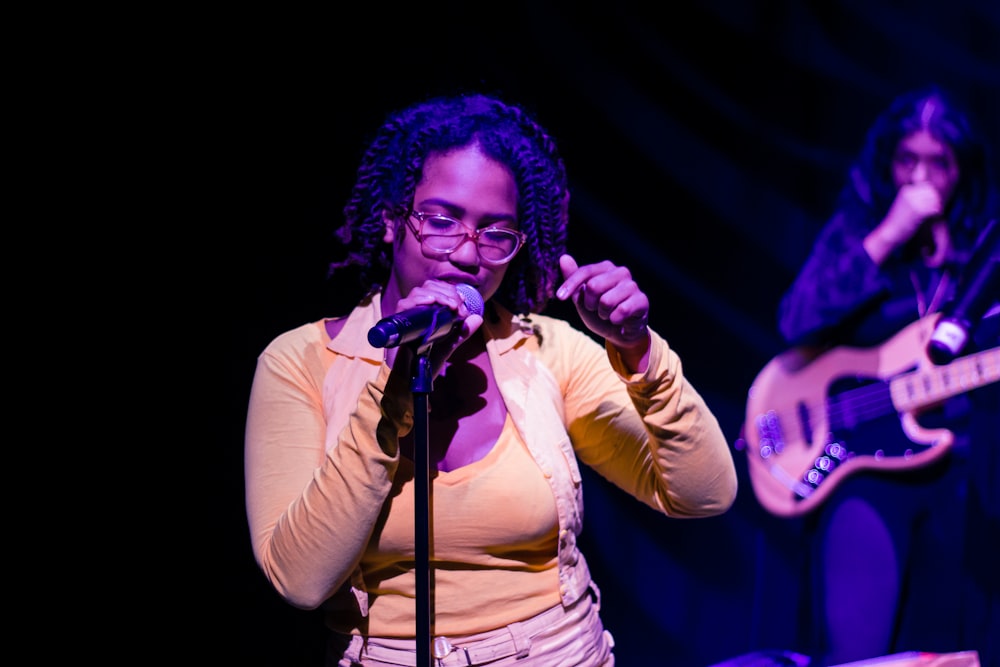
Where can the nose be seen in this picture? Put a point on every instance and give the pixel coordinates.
(466, 254)
(919, 173)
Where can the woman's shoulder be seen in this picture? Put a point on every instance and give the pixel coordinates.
(302, 336)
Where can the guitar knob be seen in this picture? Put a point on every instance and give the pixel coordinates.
(765, 449)
(825, 464)
(813, 477)
(836, 450)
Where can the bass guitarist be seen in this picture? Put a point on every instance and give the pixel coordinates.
(905, 560)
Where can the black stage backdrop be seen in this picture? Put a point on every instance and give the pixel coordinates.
(705, 143)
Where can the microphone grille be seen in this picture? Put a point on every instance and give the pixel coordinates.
(473, 299)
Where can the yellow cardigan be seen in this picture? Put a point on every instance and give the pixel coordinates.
(322, 444)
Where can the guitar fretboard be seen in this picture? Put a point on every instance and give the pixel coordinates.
(919, 388)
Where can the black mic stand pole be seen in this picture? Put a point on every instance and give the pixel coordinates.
(421, 383)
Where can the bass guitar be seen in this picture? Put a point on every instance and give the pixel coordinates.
(805, 405)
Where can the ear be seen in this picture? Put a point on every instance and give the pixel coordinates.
(390, 228)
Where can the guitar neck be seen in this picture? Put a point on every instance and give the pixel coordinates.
(923, 387)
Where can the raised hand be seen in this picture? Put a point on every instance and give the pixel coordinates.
(610, 304)
(914, 206)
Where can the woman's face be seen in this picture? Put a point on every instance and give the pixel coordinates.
(471, 188)
(920, 158)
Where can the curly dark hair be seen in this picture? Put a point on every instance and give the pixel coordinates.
(393, 165)
(936, 110)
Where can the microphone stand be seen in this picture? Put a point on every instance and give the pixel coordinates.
(421, 383)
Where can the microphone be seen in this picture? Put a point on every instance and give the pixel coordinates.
(978, 289)
(423, 323)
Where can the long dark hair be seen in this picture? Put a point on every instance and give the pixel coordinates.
(393, 165)
(933, 109)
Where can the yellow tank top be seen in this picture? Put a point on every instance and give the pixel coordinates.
(493, 547)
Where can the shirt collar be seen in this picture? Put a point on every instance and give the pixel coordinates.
(352, 339)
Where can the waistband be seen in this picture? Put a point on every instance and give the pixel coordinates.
(512, 640)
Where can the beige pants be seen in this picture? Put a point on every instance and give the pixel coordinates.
(559, 637)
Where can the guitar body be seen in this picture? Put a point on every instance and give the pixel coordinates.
(809, 414)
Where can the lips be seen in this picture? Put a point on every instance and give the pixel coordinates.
(458, 280)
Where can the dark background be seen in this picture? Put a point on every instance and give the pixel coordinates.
(705, 143)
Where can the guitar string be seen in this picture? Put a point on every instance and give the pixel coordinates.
(874, 400)
(880, 393)
(861, 404)
(985, 368)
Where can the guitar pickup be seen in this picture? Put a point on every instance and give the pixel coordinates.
(771, 437)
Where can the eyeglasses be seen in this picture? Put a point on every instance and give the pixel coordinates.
(444, 235)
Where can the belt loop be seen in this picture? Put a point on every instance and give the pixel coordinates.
(355, 648)
(522, 643)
